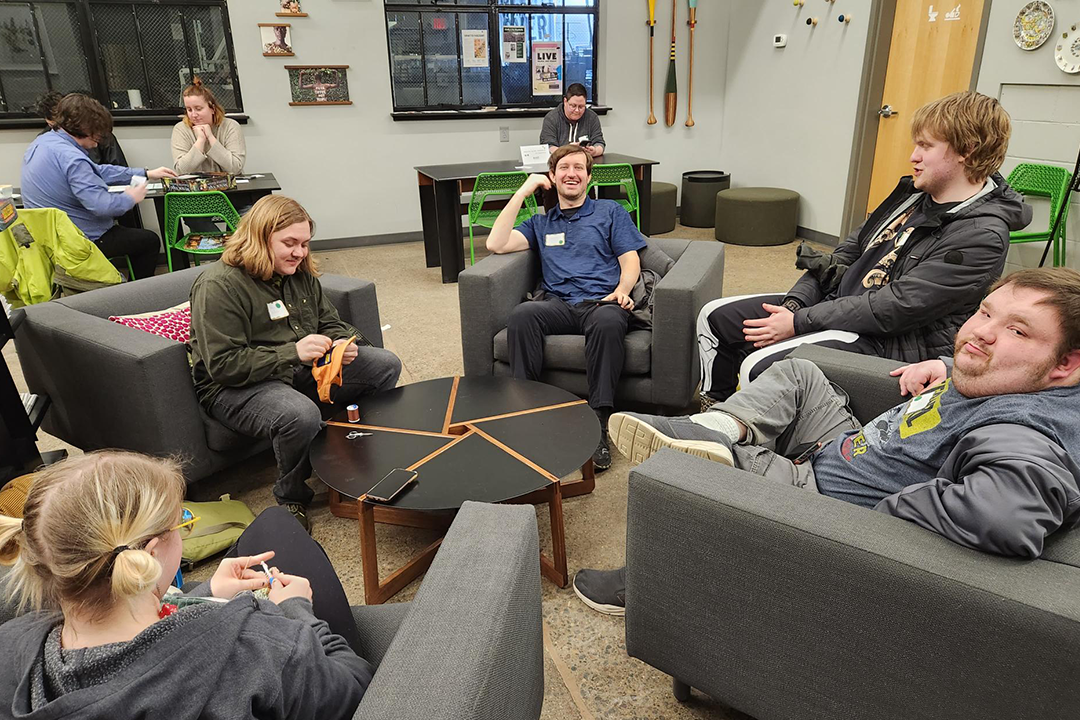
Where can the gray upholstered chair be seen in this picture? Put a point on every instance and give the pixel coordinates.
(661, 366)
(470, 645)
(788, 604)
(113, 386)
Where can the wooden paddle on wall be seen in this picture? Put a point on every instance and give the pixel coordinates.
(690, 90)
(652, 32)
(671, 92)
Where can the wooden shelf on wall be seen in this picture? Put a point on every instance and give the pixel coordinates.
(291, 14)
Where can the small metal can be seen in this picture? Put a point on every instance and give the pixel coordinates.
(354, 413)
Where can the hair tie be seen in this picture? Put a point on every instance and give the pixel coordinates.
(119, 549)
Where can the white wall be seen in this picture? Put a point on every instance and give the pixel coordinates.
(352, 166)
(790, 113)
(1044, 104)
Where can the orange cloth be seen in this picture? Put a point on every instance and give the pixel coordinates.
(327, 369)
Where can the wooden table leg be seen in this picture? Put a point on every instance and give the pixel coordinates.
(585, 485)
(448, 212)
(428, 219)
(377, 592)
(645, 198)
(555, 569)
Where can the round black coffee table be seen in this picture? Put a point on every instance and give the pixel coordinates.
(487, 439)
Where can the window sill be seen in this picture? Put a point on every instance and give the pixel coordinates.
(34, 123)
(408, 115)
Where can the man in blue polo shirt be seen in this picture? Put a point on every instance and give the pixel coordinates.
(589, 264)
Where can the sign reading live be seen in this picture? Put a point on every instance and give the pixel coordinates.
(547, 69)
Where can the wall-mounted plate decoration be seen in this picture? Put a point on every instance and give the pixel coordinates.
(1033, 25)
(1067, 52)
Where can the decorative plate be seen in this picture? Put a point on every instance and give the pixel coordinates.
(1067, 52)
(1033, 25)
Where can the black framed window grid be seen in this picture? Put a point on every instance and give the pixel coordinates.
(425, 54)
(134, 56)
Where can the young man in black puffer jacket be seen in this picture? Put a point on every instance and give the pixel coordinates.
(902, 283)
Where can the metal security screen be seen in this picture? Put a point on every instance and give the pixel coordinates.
(472, 54)
(134, 56)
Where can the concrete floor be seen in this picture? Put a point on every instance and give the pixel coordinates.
(587, 671)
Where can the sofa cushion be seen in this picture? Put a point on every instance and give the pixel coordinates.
(1063, 547)
(655, 259)
(567, 352)
(172, 323)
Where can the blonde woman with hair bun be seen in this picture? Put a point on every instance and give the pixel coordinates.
(92, 560)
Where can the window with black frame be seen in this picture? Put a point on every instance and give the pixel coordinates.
(434, 64)
(135, 56)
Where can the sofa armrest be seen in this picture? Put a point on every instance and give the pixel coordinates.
(788, 604)
(871, 390)
(695, 279)
(110, 385)
(356, 303)
(487, 294)
(471, 646)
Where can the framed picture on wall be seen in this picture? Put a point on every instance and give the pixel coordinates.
(319, 84)
(290, 8)
(276, 39)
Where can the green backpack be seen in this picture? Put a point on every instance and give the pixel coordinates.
(220, 524)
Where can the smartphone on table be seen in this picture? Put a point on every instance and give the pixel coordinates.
(392, 485)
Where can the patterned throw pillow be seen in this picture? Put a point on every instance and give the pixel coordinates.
(173, 323)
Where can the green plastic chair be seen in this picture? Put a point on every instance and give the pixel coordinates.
(487, 184)
(620, 175)
(131, 270)
(1049, 182)
(209, 204)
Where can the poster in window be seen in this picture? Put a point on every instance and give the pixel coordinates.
(547, 68)
(474, 48)
(319, 84)
(513, 44)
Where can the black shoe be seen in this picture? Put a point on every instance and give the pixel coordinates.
(298, 511)
(602, 590)
(601, 457)
(639, 436)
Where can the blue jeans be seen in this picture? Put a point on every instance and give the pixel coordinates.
(290, 416)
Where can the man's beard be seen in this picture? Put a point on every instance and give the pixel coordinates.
(581, 190)
(977, 381)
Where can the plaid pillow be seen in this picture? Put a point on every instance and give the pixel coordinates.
(173, 323)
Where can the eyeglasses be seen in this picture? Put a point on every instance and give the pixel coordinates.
(187, 522)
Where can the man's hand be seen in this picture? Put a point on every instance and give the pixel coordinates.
(620, 297)
(234, 575)
(289, 586)
(535, 182)
(351, 352)
(136, 192)
(780, 325)
(312, 347)
(160, 172)
(920, 376)
(595, 150)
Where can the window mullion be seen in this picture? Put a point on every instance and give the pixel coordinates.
(187, 47)
(495, 56)
(41, 46)
(142, 58)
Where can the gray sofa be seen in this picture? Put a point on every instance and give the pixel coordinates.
(787, 604)
(112, 386)
(470, 645)
(661, 366)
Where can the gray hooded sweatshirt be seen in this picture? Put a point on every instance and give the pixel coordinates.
(247, 658)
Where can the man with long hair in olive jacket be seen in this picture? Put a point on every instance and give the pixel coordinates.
(902, 283)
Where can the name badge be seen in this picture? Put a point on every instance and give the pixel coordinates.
(277, 310)
(555, 239)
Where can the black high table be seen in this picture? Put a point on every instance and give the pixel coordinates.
(441, 187)
(487, 439)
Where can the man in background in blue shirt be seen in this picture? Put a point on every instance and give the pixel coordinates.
(57, 172)
(589, 263)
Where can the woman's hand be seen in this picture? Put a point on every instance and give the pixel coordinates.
(234, 575)
(289, 586)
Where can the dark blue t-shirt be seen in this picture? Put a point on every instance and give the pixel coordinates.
(579, 255)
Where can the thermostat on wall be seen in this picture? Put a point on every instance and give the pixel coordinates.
(779, 40)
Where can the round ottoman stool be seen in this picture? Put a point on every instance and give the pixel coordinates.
(756, 216)
(699, 188)
(663, 208)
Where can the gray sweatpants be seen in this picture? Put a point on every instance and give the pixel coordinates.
(788, 408)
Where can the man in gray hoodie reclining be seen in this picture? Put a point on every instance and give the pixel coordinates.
(985, 452)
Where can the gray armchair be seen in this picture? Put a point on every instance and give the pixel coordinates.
(112, 386)
(470, 645)
(661, 366)
(787, 604)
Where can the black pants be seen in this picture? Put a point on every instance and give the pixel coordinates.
(603, 325)
(722, 347)
(140, 245)
(296, 553)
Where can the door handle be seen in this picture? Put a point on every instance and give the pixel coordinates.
(886, 111)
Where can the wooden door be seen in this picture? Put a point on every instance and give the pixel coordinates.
(932, 54)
